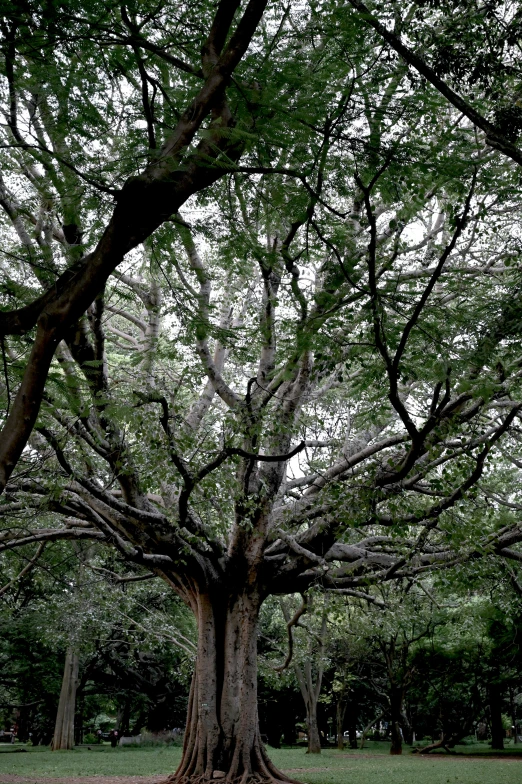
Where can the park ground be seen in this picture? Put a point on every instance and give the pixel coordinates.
(103, 765)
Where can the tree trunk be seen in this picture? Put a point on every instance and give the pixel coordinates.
(123, 720)
(314, 738)
(310, 691)
(78, 724)
(449, 738)
(340, 714)
(495, 707)
(406, 727)
(64, 728)
(222, 739)
(352, 724)
(396, 714)
(513, 711)
(368, 727)
(439, 744)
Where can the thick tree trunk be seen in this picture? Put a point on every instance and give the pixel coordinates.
(64, 728)
(495, 707)
(396, 698)
(222, 739)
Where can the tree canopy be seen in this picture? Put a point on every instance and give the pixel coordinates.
(260, 311)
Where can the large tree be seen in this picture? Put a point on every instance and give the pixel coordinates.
(298, 382)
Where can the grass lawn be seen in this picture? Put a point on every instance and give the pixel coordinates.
(371, 766)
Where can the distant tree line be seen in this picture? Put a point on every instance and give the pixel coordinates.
(432, 663)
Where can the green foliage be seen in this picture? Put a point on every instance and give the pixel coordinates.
(127, 635)
(350, 283)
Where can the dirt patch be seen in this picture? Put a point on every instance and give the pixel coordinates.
(13, 778)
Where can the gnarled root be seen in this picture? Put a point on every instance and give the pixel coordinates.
(250, 778)
(264, 772)
(247, 778)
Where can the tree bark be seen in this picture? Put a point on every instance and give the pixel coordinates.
(222, 738)
(314, 738)
(340, 714)
(495, 707)
(407, 729)
(353, 713)
(310, 691)
(513, 711)
(63, 737)
(396, 699)
(440, 744)
(368, 727)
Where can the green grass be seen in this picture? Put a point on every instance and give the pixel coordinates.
(100, 761)
(371, 766)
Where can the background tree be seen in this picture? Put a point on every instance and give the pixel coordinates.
(281, 705)
(309, 668)
(134, 648)
(408, 619)
(347, 649)
(474, 624)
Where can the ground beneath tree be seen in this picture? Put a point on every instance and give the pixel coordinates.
(491, 757)
(12, 778)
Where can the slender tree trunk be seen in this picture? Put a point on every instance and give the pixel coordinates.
(222, 739)
(311, 691)
(495, 707)
(64, 728)
(352, 735)
(124, 719)
(439, 744)
(340, 714)
(368, 727)
(396, 712)
(353, 713)
(314, 738)
(513, 712)
(406, 727)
